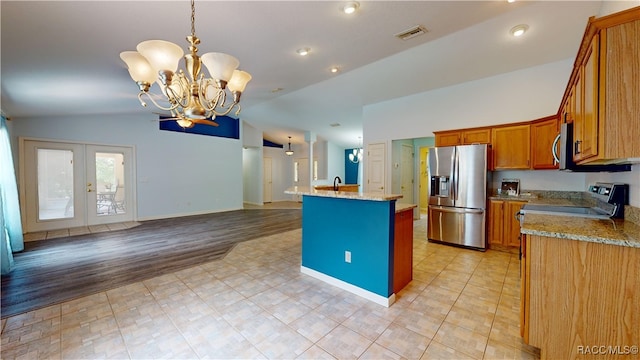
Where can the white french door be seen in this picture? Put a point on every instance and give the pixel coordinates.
(66, 185)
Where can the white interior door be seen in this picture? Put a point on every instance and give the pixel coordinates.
(65, 185)
(375, 169)
(406, 174)
(267, 180)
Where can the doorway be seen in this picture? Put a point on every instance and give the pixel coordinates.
(267, 189)
(424, 180)
(66, 185)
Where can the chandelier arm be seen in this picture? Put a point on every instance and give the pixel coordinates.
(226, 111)
(209, 103)
(171, 108)
(182, 98)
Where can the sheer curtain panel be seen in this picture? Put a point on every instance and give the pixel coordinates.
(10, 224)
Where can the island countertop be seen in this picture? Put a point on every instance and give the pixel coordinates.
(309, 191)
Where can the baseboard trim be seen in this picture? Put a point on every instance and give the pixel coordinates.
(378, 299)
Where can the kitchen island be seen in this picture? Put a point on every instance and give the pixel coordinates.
(348, 240)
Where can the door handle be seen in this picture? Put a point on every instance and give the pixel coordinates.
(556, 159)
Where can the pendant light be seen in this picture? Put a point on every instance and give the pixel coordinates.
(289, 152)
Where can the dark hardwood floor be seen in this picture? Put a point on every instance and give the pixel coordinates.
(53, 271)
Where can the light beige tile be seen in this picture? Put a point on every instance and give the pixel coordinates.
(403, 341)
(462, 339)
(421, 323)
(437, 351)
(315, 353)
(376, 352)
(344, 343)
(366, 323)
(289, 310)
(314, 325)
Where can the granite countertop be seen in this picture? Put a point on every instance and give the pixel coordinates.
(306, 190)
(400, 207)
(609, 231)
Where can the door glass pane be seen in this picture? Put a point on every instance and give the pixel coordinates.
(55, 184)
(110, 185)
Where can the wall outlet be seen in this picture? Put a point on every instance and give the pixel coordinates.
(347, 257)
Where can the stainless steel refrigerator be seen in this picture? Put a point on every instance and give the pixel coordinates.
(458, 195)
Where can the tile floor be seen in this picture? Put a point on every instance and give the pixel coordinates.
(255, 303)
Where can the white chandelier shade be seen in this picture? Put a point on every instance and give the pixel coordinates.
(221, 66)
(356, 155)
(187, 94)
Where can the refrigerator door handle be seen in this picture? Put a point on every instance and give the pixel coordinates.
(457, 210)
(456, 174)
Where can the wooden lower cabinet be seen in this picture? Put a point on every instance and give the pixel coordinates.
(504, 228)
(578, 297)
(403, 249)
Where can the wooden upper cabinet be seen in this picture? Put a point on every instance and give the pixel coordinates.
(449, 138)
(476, 136)
(463, 137)
(585, 142)
(543, 133)
(603, 89)
(511, 147)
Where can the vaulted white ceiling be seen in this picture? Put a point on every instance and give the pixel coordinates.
(62, 57)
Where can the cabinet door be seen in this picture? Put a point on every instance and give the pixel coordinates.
(482, 136)
(588, 145)
(524, 290)
(496, 224)
(511, 147)
(511, 224)
(449, 139)
(542, 136)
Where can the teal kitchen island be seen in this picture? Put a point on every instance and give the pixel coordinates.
(348, 240)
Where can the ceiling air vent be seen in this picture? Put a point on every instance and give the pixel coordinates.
(411, 33)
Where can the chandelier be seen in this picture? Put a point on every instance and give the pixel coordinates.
(289, 152)
(190, 98)
(356, 155)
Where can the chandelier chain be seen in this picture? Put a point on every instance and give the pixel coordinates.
(193, 18)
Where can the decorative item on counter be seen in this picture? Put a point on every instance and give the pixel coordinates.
(510, 187)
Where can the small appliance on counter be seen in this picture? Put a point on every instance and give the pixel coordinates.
(458, 195)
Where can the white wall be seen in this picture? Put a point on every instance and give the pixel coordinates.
(512, 97)
(177, 173)
(252, 175)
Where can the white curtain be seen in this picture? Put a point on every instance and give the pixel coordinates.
(10, 223)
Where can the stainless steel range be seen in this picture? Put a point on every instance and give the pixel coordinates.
(610, 201)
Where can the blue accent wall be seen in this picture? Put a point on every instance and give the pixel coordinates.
(228, 127)
(350, 169)
(331, 226)
(268, 143)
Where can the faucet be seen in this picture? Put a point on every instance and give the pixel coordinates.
(335, 185)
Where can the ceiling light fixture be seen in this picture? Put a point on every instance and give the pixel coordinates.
(303, 51)
(351, 7)
(519, 30)
(289, 152)
(334, 69)
(188, 98)
(356, 155)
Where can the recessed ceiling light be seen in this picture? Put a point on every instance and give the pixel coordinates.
(350, 7)
(303, 51)
(334, 69)
(519, 30)
(511, 1)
